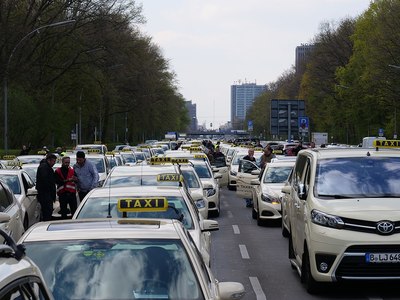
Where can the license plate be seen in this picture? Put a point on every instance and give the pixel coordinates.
(382, 257)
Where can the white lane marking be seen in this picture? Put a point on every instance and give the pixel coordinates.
(257, 288)
(236, 229)
(373, 298)
(230, 214)
(243, 252)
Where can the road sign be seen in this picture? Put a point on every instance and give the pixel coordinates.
(380, 132)
(249, 125)
(303, 124)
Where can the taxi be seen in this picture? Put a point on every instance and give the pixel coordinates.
(148, 175)
(123, 259)
(20, 278)
(267, 202)
(96, 147)
(150, 202)
(343, 214)
(234, 165)
(23, 187)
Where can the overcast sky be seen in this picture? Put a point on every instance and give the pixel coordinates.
(212, 44)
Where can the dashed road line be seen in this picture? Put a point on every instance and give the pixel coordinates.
(243, 252)
(257, 288)
(236, 229)
(229, 214)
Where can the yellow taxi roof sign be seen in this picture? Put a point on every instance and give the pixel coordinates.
(386, 143)
(277, 151)
(148, 204)
(8, 157)
(42, 152)
(175, 177)
(14, 163)
(180, 160)
(160, 160)
(91, 150)
(110, 153)
(200, 156)
(195, 149)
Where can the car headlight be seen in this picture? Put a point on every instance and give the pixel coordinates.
(200, 203)
(323, 219)
(270, 199)
(211, 192)
(233, 173)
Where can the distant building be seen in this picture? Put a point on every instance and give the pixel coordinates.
(242, 98)
(192, 114)
(302, 53)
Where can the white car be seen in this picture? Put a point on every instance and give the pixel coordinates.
(234, 165)
(20, 278)
(123, 259)
(9, 205)
(23, 187)
(210, 185)
(343, 209)
(267, 202)
(105, 202)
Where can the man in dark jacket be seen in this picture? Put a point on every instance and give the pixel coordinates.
(46, 185)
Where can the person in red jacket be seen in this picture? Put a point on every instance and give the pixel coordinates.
(66, 187)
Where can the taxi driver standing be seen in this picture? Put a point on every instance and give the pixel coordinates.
(66, 187)
(87, 174)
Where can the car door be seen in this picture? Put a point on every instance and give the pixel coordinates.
(219, 164)
(10, 206)
(298, 208)
(30, 194)
(247, 171)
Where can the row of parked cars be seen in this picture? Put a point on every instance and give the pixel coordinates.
(144, 233)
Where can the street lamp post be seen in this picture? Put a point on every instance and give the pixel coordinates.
(5, 80)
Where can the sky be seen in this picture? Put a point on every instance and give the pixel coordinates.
(213, 44)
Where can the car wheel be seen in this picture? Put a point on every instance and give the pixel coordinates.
(291, 250)
(311, 285)
(253, 213)
(259, 221)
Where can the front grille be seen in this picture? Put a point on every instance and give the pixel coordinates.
(354, 266)
(366, 226)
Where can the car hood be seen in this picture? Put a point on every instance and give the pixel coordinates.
(373, 209)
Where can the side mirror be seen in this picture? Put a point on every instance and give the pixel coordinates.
(32, 192)
(255, 172)
(231, 290)
(209, 225)
(218, 176)
(255, 182)
(286, 189)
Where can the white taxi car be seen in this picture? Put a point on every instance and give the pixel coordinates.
(23, 187)
(267, 202)
(123, 259)
(20, 278)
(234, 165)
(343, 210)
(104, 202)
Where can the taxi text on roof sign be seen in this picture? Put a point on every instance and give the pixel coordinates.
(143, 204)
(14, 163)
(93, 150)
(199, 156)
(169, 177)
(8, 157)
(387, 143)
(195, 149)
(160, 160)
(180, 160)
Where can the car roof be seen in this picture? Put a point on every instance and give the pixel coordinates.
(102, 229)
(324, 153)
(136, 190)
(281, 163)
(142, 170)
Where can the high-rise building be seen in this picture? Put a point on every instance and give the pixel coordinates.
(242, 97)
(192, 114)
(302, 53)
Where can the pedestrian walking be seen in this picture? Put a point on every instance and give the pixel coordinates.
(88, 177)
(46, 186)
(66, 187)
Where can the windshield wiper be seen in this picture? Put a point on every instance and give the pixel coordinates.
(337, 196)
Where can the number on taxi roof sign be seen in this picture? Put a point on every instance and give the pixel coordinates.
(148, 204)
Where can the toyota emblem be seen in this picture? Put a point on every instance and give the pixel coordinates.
(385, 227)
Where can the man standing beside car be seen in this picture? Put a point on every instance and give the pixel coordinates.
(88, 177)
(250, 157)
(46, 186)
(66, 187)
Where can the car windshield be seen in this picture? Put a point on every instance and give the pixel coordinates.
(351, 177)
(98, 207)
(12, 182)
(128, 157)
(116, 269)
(191, 179)
(26, 159)
(202, 171)
(98, 162)
(277, 174)
(137, 180)
(140, 156)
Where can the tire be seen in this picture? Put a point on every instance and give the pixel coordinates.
(253, 213)
(291, 250)
(259, 221)
(312, 286)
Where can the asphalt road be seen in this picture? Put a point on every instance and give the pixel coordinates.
(257, 257)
